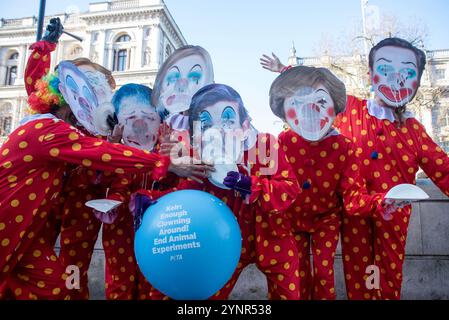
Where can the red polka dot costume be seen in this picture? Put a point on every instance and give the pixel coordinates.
(267, 237)
(32, 163)
(124, 281)
(390, 154)
(38, 63)
(79, 227)
(328, 173)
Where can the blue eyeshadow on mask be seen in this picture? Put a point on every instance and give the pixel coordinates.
(206, 119)
(385, 69)
(88, 95)
(228, 113)
(408, 73)
(173, 76)
(195, 76)
(71, 84)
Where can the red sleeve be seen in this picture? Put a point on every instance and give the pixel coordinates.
(62, 142)
(356, 199)
(345, 121)
(120, 185)
(432, 159)
(38, 64)
(277, 190)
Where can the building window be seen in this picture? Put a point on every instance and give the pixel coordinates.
(95, 37)
(121, 53)
(5, 120)
(11, 76)
(120, 60)
(440, 74)
(11, 69)
(167, 51)
(124, 38)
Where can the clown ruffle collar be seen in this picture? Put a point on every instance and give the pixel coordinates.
(382, 113)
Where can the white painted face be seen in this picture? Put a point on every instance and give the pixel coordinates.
(222, 134)
(310, 112)
(182, 80)
(395, 75)
(99, 83)
(141, 123)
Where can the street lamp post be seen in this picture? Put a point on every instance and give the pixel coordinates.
(40, 22)
(364, 3)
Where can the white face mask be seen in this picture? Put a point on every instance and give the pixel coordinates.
(182, 80)
(222, 135)
(79, 95)
(141, 123)
(310, 112)
(395, 75)
(99, 83)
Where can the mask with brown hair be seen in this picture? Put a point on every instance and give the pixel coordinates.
(308, 99)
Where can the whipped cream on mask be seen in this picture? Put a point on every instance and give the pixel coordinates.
(310, 112)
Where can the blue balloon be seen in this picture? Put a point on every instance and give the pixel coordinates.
(188, 245)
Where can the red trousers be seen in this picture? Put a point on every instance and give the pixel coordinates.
(124, 281)
(79, 233)
(316, 240)
(39, 275)
(275, 255)
(379, 243)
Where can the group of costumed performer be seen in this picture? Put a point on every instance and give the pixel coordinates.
(391, 145)
(327, 173)
(36, 163)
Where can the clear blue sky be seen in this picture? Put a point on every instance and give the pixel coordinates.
(237, 32)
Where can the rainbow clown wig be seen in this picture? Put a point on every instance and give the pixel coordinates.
(47, 95)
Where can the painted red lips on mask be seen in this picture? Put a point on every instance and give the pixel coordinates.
(395, 95)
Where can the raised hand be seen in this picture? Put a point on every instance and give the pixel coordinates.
(273, 64)
(53, 31)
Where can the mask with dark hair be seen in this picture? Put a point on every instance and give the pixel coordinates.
(219, 123)
(396, 70)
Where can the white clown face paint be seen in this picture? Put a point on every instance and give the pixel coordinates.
(395, 75)
(141, 123)
(182, 80)
(310, 112)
